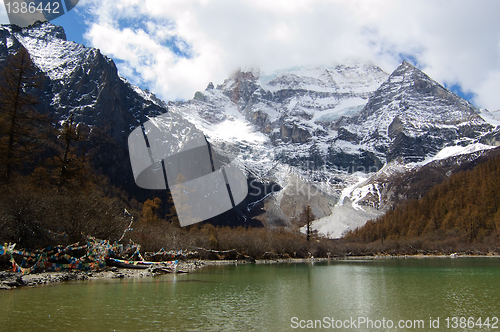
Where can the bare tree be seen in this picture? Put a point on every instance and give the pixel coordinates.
(307, 216)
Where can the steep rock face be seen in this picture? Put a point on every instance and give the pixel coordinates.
(313, 128)
(82, 81)
(411, 116)
(293, 133)
(492, 138)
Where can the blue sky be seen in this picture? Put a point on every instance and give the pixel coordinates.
(176, 47)
(74, 25)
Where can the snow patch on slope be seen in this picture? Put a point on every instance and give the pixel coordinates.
(492, 118)
(56, 57)
(347, 192)
(452, 151)
(342, 219)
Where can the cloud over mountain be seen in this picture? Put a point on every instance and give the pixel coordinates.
(176, 47)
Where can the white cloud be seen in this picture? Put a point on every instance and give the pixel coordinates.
(454, 42)
(488, 92)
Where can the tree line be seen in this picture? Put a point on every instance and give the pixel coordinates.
(464, 207)
(52, 194)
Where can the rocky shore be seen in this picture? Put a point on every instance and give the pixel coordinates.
(12, 280)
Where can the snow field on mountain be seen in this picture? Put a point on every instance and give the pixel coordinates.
(342, 219)
(292, 122)
(57, 57)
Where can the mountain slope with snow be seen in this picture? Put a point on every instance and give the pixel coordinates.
(81, 81)
(413, 117)
(309, 133)
(328, 124)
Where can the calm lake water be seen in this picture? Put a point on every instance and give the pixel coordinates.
(276, 297)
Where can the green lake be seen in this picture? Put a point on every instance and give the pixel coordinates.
(463, 293)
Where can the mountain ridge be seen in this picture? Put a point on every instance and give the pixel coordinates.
(316, 128)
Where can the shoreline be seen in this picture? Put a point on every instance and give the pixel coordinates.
(11, 280)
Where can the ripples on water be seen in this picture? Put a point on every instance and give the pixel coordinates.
(262, 297)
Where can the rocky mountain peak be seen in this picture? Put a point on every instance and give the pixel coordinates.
(411, 115)
(81, 81)
(405, 66)
(318, 124)
(241, 85)
(45, 30)
(417, 94)
(409, 77)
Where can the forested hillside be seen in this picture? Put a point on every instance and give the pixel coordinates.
(56, 179)
(53, 193)
(465, 207)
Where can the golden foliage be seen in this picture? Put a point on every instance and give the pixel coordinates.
(465, 205)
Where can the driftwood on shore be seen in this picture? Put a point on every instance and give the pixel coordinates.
(167, 266)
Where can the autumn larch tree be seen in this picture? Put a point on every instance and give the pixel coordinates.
(150, 211)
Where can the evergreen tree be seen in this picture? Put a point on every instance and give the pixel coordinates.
(69, 165)
(20, 130)
(307, 216)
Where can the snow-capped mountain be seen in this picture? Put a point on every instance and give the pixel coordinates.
(80, 80)
(280, 125)
(332, 138)
(343, 130)
(288, 109)
(412, 116)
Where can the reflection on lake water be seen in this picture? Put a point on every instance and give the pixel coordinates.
(263, 297)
